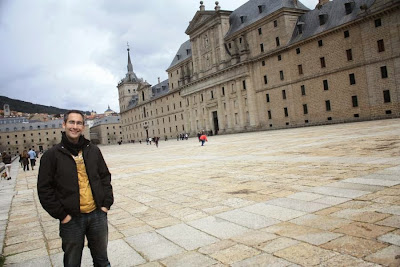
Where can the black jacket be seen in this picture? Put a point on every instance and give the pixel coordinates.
(58, 187)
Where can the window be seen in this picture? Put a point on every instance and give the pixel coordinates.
(269, 115)
(267, 97)
(260, 8)
(346, 34)
(354, 100)
(303, 90)
(300, 68)
(212, 94)
(263, 63)
(352, 79)
(321, 19)
(223, 90)
(262, 47)
(326, 87)
(244, 84)
(322, 60)
(281, 75)
(259, 31)
(378, 23)
(298, 50)
(349, 55)
(275, 23)
(305, 109)
(277, 41)
(384, 73)
(381, 46)
(284, 94)
(286, 112)
(386, 96)
(320, 43)
(348, 8)
(265, 79)
(328, 105)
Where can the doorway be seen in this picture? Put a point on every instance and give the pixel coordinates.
(215, 122)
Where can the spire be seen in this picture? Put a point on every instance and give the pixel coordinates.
(130, 67)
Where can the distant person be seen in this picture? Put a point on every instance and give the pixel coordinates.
(203, 139)
(74, 186)
(7, 164)
(156, 139)
(32, 157)
(25, 160)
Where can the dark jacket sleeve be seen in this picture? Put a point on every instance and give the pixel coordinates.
(46, 186)
(105, 177)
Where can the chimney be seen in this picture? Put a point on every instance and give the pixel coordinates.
(295, 2)
(217, 7)
(323, 2)
(202, 7)
(158, 79)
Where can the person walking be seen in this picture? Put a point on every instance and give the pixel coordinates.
(7, 164)
(32, 157)
(203, 139)
(74, 186)
(25, 160)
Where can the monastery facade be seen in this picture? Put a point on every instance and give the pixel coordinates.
(272, 64)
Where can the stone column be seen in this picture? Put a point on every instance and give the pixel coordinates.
(252, 102)
(239, 91)
(220, 109)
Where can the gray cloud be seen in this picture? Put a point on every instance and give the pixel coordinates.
(72, 53)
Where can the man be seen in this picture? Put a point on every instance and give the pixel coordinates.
(74, 186)
(32, 157)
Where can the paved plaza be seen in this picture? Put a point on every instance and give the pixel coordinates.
(314, 196)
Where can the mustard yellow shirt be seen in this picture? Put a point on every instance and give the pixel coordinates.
(87, 203)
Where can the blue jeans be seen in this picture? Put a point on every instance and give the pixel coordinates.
(92, 225)
(202, 142)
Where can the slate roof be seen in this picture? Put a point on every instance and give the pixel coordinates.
(14, 127)
(251, 14)
(160, 89)
(335, 15)
(184, 52)
(106, 120)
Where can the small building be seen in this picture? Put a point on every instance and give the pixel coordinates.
(106, 130)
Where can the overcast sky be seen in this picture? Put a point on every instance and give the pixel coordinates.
(72, 53)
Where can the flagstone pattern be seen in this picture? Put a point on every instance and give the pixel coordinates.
(315, 196)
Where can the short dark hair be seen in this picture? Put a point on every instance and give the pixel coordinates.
(73, 111)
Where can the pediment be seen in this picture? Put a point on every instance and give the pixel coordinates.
(201, 18)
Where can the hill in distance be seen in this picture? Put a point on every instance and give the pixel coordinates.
(28, 107)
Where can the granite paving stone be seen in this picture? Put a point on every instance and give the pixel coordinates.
(387, 257)
(247, 219)
(186, 236)
(391, 238)
(355, 246)
(310, 196)
(192, 259)
(275, 212)
(264, 259)
(297, 204)
(153, 246)
(218, 227)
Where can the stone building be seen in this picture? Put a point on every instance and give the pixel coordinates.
(106, 130)
(273, 64)
(16, 137)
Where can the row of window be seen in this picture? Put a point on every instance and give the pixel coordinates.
(154, 132)
(23, 135)
(386, 96)
(23, 128)
(354, 100)
(32, 141)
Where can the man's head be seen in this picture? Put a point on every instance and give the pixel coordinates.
(74, 124)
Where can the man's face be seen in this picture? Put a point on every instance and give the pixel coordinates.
(74, 127)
